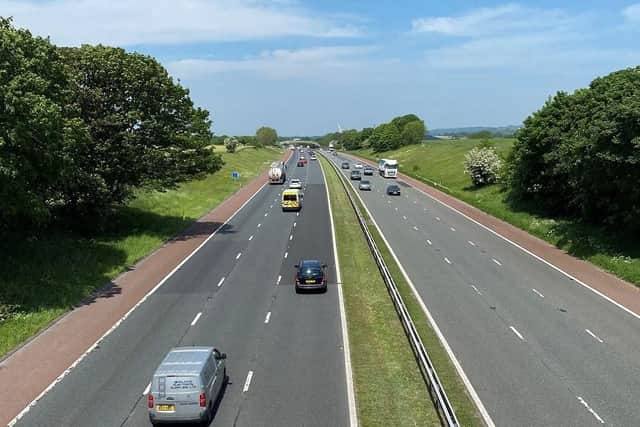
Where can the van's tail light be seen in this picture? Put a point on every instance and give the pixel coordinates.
(150, 400)
(203, 400)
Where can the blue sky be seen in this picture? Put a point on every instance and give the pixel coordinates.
(304, 66)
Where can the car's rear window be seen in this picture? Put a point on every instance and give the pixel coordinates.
(364, 182)
(291, 197)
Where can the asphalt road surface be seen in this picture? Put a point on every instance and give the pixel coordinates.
(236, 293)
(539, 349)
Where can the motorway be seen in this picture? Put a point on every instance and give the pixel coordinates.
(539, 349)
(285, 351)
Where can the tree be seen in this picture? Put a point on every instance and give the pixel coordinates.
(350, 139)
(400, 121)
(266, 136)
(483, 134)
(482, 165)
(413, 132)
(385, 137)
(144, 129)
(579, 155)
(365, 134)
(231, 143)
(36, 121)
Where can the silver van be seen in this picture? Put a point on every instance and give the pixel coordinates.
(186, 385)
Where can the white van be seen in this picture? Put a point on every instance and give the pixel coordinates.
(186, 385)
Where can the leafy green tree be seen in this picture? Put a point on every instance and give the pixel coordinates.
(413, 132)
(266, 136)
(36, 121)
(144, 128)
(386, 137)
(579, 155)
(365, 134)
(350, 139)
(400, 121)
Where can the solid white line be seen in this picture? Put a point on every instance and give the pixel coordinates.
(353, 413)
(471, 243)
(538, 292)
(221, 281)
(528, 252)
(452, 229)
(266, 319)
(286, 254)
(259, 225)
(247, 382)
(278, 281)
(429, 242)
(195, 319)
(515, 331)
(586, 405)
(291, 237)
(447, 260)
(476, 289)
(127, 314)
(146, 390)
(496, 261)
(438, 218)
(594, 336)
(251, 237)
(415, 228)
(239, 255)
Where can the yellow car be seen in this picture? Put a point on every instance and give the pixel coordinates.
(291, 200)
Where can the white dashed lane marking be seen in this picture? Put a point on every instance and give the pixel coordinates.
(266, 319)
(538, 293)
(429, 242)
(221, 282)
(146, 390)
(476, 289)
(586, 405)
(597, 338)
(447, 260)
(286, 254)
(259, 225)
(247, 382)
(496, 261)
(438, 218)
(515, 331)
(291, 237)
(471, 243)
(415, 228)
(251, 237)
(195, 319)
(278, 281)
(452, 229)
(404, 217)
(239, 255)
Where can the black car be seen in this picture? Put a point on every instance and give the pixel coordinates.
(345, 165)
(368, 170)
(311, 276)
(393, 190)
(300, 164)
(355, 175)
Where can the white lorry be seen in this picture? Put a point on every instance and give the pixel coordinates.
(277, 173)
(388, 168)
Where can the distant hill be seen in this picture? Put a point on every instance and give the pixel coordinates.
(501, 130)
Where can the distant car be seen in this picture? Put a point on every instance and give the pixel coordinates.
(364, 185)
(393, 190)
(313, 157)
(368, 170)
(303, 159)
(356, 176)
(186, 385)
(300, 163)
(358, 165)
(334, 153)
(311, 276)
(345, 165)
(295, 183)
(292, 147)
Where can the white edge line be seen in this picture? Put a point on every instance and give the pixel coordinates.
(515, 331)
(544, 261)
(127, 314)
(195, 319)
(351, 397)
(472, 392)
(247, 382)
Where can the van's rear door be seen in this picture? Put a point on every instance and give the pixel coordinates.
(178, 396)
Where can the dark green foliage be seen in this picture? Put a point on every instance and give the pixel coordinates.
(350, 139)
(385, 137)
(365, 134)
(580, 153)
(266, 136)
(413, 133)
(483, 134)
(401, 121)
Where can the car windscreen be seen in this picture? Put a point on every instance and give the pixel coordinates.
(364, 182)
(290, 197)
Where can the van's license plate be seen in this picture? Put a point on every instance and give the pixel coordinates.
(310, 281)
(166, 408)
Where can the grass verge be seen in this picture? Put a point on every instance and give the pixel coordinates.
(42, 277)
(388, 384)
(440, 164)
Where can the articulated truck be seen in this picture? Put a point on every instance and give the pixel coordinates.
(277, 173)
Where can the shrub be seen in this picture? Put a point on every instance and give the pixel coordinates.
(231, 144)
(482, 165)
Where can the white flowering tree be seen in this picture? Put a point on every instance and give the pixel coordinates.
(482, 165)
(231, 144)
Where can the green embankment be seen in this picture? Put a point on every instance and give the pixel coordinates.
(389, 388)
(43, 277)
(442, 162)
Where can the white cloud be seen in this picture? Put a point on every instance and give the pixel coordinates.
(632, 14)
(127, 22)
(279, 64)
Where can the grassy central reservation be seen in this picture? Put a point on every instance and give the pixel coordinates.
(42, 277)
(440, 163)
